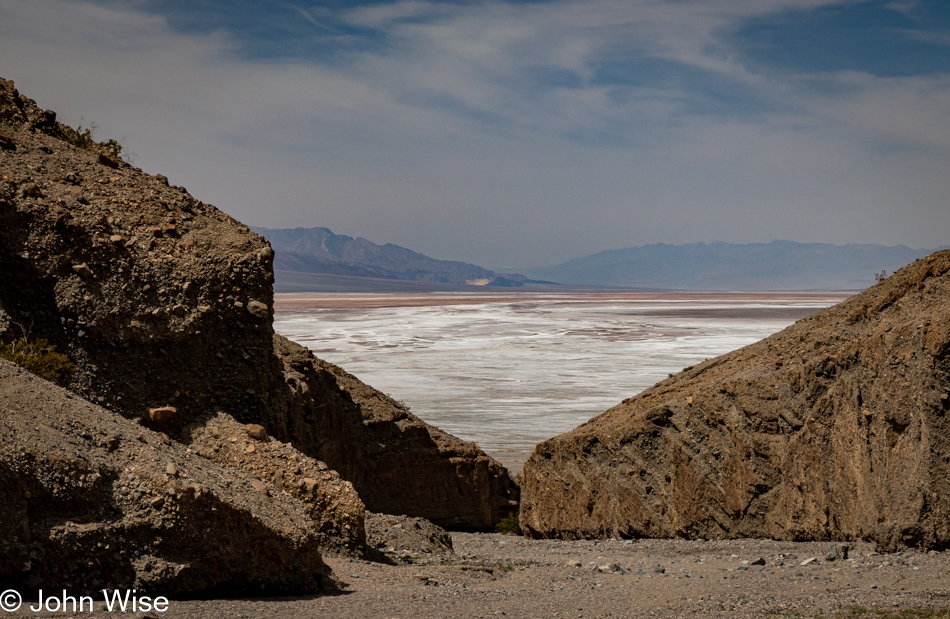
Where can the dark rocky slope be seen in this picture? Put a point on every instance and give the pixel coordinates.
(835, 428)
(94, 501)
(397, 463)
(165, 302)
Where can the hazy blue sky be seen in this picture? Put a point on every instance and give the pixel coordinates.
(519, 133)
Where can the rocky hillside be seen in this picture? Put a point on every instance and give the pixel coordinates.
(319, 250)
(164, 304)
(837, 428)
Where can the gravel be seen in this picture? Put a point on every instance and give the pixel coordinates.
(491, 575)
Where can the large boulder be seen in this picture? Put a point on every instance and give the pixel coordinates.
(334, 506)
(837, 428)
(94, 501)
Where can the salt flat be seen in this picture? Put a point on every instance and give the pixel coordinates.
(509, 370)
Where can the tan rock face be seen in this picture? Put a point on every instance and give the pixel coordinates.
(832, 429)
(97, 501)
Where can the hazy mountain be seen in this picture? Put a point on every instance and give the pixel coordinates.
(779, 265)
(319, 250)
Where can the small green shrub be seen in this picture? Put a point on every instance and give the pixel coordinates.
(40, 358)
(509, 525)
(80, 138)
(114, 148)
(85, 139)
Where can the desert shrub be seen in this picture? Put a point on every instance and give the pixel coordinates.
(40, 358)
(509, 525)
(80, 138)
(114, 148)
(86, 139)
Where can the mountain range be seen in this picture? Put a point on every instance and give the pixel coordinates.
(779, 265)
(319, 250)
(317, 258)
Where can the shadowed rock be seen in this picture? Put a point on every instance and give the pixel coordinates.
(92, 500)
(397, 463)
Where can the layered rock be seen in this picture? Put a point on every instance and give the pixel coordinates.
(835, 428)
(94, 501)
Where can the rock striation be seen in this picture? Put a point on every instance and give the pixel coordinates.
(94, 501)
(837, 428)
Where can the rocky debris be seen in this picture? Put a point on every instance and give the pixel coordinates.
(833, 429)
(332, 503)
(397, 463)
(405, 538)
(491, 575)
(92, 501)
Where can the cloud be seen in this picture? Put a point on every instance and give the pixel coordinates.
(906, 7)
(516, 134)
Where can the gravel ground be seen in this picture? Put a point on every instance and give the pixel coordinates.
(491, 575)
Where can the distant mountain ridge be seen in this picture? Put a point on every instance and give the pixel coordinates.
(779, 265)
(319, 250)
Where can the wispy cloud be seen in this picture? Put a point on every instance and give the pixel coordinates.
(500, 132)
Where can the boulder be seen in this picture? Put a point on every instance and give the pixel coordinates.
(401, 537)
(836, 428)
(94, 501)
(331, 502)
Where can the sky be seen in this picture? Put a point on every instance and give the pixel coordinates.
(518, 134)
